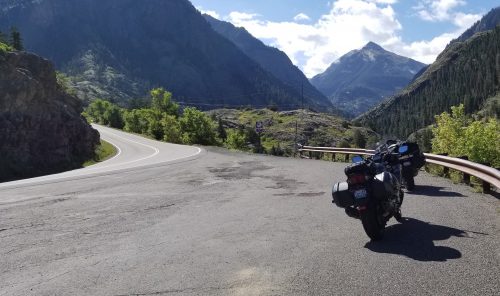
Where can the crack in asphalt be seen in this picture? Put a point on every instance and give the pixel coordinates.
(170, 291)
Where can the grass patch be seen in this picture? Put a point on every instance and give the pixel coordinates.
(5, 47)
(103, 152)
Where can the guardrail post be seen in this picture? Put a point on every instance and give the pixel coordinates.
(466, 177)
(446, 170)
(333, 156)
(310, 154)
(346, 158)
(486, 187)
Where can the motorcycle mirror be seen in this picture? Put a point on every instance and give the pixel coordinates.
(357, 158)
(403, 149)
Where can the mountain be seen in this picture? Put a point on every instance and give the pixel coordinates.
(119, 49)
(488, 22)
(465, 72)
(361, 79)
(41, 127)
(271, 59)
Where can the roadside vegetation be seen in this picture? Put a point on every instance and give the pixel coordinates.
(459, 135)
(163, 119)
(11, 41)
(102, 152)
(474, 137)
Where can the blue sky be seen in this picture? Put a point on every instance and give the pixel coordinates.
(314, 33)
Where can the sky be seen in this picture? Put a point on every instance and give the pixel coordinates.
(315, 33)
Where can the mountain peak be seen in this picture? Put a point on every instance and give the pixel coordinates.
(360, 79)
(372, 46)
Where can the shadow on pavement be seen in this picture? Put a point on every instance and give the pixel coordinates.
(434, 191)
(415, 239)
(495, 194)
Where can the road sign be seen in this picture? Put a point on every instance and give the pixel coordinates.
(259, 127)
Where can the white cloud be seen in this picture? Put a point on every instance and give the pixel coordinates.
(465, 21)
(350, 24)
(301, 17)
(240, 17)
(437, 10)
(385, 1)
(209, 12)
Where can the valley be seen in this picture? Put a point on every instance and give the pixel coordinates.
(204, 105)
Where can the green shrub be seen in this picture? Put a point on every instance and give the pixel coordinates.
(458, 135)
(236, 139)
(171, 129)
(5, 47)
(197, 127)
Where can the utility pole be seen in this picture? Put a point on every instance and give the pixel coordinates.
(296, 121)
(302, 96)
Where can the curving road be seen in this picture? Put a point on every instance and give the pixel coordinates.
(133, 152)
(224, 223)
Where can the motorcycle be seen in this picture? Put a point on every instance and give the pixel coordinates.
(412, 159)
(373, 191)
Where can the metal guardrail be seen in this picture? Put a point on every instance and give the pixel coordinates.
(489, 176)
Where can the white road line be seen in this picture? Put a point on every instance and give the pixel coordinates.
(117, 148)
(85, 172)
(157, 151)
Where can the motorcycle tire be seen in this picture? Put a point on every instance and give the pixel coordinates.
(371, 224)
(410, 183)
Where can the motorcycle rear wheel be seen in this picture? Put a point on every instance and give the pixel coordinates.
(371, 223)
(410, 183)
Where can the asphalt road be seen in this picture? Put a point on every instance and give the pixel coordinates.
(213, 222)
(133, 152)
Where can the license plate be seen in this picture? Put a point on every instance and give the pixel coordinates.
(360, 194)
(407, 163)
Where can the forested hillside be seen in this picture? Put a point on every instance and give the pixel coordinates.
(271, 59)
(466, 72)
(488, 22)
(119, 49)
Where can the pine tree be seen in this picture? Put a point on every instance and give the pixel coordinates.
(15, 39)
(3, 38)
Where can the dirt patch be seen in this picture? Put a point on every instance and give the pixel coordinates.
(239, 171)
(311, 194)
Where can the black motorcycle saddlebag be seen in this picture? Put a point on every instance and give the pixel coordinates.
(418, 159)
(341, 195)
(384, 186)
(356, 168)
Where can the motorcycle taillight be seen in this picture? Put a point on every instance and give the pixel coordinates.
(356, 179)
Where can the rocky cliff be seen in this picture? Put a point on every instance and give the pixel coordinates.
(41, 129)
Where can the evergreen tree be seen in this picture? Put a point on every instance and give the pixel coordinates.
(358, 139)
(15, 39)
(3, 38)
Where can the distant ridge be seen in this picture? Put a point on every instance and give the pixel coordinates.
(270, 59)
(465, 72)
(119, 49)
(362, 78)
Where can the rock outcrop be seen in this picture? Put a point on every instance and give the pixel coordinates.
(41, 127)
